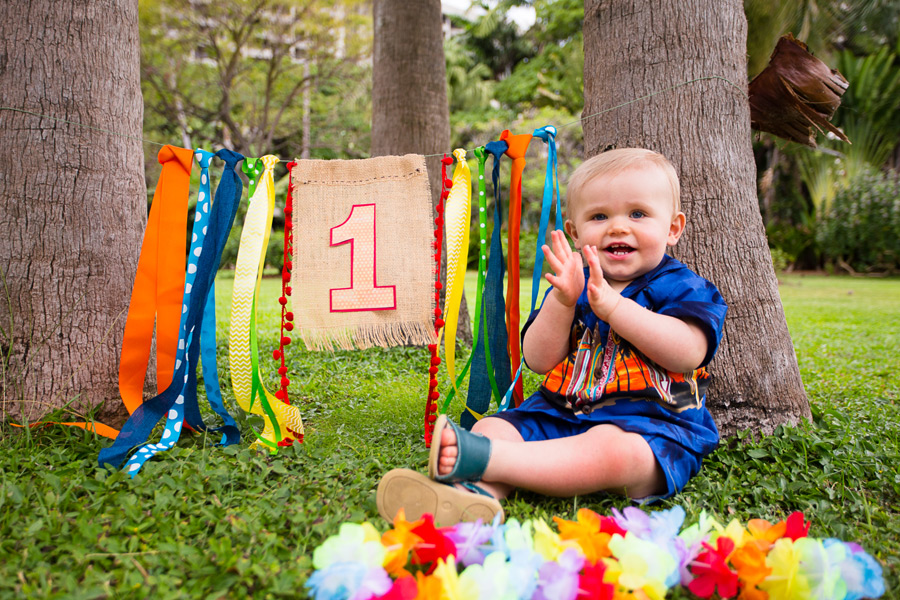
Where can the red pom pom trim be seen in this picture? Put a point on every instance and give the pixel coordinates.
(431, 406)
(286, 315)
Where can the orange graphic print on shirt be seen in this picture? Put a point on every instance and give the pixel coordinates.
(595, 374)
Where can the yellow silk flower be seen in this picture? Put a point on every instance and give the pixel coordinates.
(786, 581)
(585, 531)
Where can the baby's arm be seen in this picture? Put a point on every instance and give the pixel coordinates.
(676, 345)
(546, 342)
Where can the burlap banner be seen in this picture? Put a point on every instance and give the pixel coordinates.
(363, 267)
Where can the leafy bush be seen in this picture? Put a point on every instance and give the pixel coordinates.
(781, 260)
(862, 228)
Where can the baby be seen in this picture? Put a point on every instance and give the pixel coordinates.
(623, 344)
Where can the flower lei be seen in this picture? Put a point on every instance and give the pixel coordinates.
(631, 554)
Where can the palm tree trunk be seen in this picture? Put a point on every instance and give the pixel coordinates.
(410, 112)
(638, 47)
(72, 201)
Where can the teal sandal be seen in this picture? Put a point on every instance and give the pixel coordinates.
(473, 454)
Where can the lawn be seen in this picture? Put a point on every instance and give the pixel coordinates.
(207, 522)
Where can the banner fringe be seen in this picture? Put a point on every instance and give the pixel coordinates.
(367, 336)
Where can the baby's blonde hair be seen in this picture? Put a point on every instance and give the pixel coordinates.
(613, 162)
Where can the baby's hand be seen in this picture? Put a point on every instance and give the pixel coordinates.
(568, 281)
(602, 297)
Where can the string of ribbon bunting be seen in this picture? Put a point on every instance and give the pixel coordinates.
(173, 296)
(176, 294)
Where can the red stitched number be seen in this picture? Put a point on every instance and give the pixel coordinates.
(364, 292)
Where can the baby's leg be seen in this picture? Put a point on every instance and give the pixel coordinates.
(603, 458)
(497, 430)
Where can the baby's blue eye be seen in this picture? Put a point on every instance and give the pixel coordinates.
(599, 217)
(637, 214)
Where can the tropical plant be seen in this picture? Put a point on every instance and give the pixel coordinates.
(870, 108)
(554, 75)
(469, 83)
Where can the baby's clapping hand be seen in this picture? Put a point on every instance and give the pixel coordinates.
(602, 297)
(568, 280)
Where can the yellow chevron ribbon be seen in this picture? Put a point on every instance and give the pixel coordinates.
(282, 421)
(457, 216)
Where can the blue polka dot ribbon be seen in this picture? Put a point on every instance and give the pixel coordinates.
(175, 416)
(178, 401)
(221, 220)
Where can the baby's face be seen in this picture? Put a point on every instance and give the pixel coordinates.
(630, 218)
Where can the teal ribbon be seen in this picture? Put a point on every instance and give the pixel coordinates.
(548, 135)
(494, 304)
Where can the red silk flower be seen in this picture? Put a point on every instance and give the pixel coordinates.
(711, 571)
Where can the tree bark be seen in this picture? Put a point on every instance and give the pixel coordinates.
(639, 47)
(410, 110)
(72, 201)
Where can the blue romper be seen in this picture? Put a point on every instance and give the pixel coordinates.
(606, 380)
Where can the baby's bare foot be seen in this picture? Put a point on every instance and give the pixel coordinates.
(448, 451)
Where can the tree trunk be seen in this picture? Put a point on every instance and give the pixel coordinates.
(410, 111)
(72, 201)
(638, 47)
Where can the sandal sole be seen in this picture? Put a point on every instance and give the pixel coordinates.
(417, 495)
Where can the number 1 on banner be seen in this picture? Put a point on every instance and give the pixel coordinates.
(364, 292)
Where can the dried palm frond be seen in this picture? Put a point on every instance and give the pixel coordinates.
(796, 94)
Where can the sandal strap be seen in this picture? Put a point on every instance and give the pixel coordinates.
(477, 489)
(473, 454)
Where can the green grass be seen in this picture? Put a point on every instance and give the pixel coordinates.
(207, 522)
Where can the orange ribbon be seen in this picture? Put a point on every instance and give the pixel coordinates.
(159, 282)
(518, 146)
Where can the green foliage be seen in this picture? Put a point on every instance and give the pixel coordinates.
(235, 73)
(862, 228)
(495, 40)
(553, 78)
(781, 260)
(874, 89)
(860, 40)
(870, 108)
(554, 75)
(211, 522)
(469, 86)
(540, 67)
(827, 26)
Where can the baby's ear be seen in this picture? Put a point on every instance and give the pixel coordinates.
(676, 229)
(569, 226)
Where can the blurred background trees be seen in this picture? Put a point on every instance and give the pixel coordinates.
(294, 78)
(824, 207)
